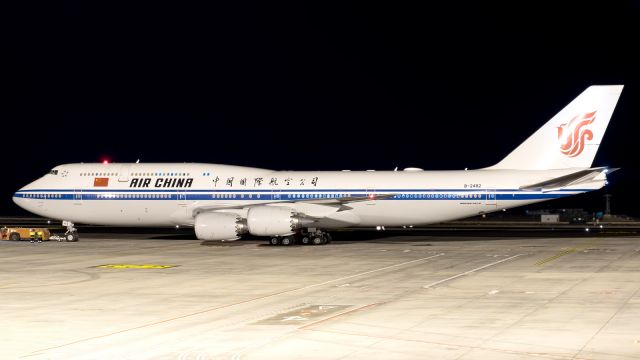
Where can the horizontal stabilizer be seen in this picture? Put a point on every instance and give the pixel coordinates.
(578, 177)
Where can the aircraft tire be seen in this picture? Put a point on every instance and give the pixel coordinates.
(287, 241)
(275, 241)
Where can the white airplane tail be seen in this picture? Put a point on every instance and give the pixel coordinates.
(571, 138)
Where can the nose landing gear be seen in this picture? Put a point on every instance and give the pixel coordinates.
(72, 233)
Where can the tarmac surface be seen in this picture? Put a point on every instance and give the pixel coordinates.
(382, 296)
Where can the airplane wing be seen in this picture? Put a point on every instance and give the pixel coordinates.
(578, 177)
(336, 204)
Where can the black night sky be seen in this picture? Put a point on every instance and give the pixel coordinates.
(312, 85)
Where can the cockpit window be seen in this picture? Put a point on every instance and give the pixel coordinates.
(53, 172)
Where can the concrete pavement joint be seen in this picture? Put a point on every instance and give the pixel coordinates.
(470, 272)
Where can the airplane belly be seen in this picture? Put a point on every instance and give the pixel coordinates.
(402, 212)
(115, 213)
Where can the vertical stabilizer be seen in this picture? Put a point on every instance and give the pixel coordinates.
(571, 138)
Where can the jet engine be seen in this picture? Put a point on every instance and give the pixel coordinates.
(273, 221)
(219, 226)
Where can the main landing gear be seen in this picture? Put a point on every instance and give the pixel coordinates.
(316, 237)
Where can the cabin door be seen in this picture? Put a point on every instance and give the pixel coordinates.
(123, 176)
(372, 195)
(490, 197)
(77, 197)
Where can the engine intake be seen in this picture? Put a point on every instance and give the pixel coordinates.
(219, 226)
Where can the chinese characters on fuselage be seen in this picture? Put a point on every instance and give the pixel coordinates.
(259, 181)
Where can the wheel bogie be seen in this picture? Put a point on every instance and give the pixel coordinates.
(315, 238)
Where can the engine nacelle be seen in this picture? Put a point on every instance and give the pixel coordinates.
(272, 221)
(219, 226)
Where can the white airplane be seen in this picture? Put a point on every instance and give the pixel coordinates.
(223, 202)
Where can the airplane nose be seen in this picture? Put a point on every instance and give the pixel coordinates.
(26, 197)
(19, 198)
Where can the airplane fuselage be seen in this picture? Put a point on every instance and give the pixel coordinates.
(172, 194)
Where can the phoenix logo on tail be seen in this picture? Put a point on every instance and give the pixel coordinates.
(572, 135)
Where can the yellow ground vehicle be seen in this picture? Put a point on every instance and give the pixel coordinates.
(16, 233)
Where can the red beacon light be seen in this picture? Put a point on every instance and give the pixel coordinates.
(105, 162)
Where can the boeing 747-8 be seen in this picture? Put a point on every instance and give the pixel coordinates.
(222, 202)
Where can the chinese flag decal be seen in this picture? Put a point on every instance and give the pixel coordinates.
(101, 182)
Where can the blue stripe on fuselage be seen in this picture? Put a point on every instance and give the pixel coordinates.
(160, 190)
(298, 195)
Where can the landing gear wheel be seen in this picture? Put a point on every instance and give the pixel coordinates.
(287, 241)
(71, 237)
(305, 240)
(318, 240)
(14, 236)
(274, 241)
